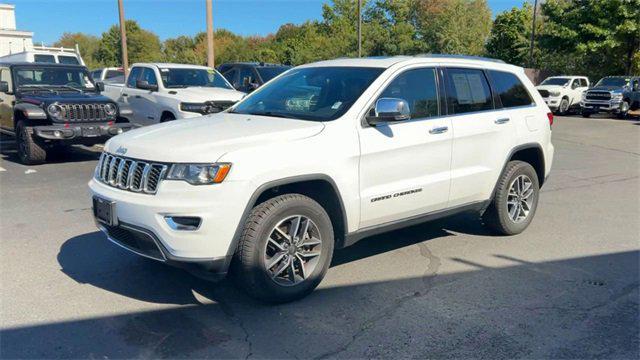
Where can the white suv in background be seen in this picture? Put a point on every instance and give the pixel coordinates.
(561, 93)
(321, 157)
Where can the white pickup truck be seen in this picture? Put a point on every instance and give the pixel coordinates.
(158, 92)
(561, 93)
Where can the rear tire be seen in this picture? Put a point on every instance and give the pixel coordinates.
(515, 201)
(167, 117)
(30, 151)
(266, 247)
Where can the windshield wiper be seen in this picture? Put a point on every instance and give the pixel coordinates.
(72, 88)
(272, 114)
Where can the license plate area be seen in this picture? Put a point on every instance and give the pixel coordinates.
(105, 211)
(91, 131)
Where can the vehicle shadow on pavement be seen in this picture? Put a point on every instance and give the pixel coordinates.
(9, 152)
(569, 308)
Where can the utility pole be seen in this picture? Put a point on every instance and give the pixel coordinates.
(533, 33)
(123, 40)
(210, 54)
(360, 28)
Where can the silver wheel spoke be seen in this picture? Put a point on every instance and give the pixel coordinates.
(274, 260)
(283, 265)
(309, 254)
(275, 243)
(527, 194)
(282, 233)
(303, 271)
(311, 242)
(295, 225)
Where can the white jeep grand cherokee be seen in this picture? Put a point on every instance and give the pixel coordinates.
(321, 157)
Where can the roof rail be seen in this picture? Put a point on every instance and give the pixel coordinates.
(463, 57)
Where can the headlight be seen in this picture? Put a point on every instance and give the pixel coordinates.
(616, 97)
(200, 108)
(554, 93)
(55, 111)
(110, 109)
(199, 174)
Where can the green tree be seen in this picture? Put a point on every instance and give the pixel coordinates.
(181, 50)
(88, 45)
(453, 26)
(142, 45)
(510, 35)
(594, 37)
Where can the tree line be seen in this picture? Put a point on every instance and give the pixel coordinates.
(591, 37)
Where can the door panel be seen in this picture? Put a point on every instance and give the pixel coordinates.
(482, 135)
(6, 102)
(405, 166)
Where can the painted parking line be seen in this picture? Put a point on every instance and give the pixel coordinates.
(30, 171)
(2, 169)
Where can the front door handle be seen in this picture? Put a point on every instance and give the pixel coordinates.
(502, 121)
(439, 130)
(125, 94)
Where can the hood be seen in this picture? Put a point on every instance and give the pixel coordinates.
(205, 139)
(607, 88)
(202, 94)
(550, 87)
(65, 97)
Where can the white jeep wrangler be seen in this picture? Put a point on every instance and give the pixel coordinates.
(322, 156)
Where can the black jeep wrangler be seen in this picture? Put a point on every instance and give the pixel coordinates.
(50, 106)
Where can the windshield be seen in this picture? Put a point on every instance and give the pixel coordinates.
(556, 81)
(268, 73)
(179, 78)
(317, 93)
(53, 77)
(619, 82)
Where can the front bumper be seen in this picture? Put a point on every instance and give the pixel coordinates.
(591, 106)
(552, 102)
(85, 131)
(210, 246)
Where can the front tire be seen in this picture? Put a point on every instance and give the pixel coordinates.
(624, 110)
(563, 108)
(285, 249)
(515, 201)
(30, 151)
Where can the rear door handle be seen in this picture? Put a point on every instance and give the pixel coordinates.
(125, 94)
(439, 130)
(502, 121)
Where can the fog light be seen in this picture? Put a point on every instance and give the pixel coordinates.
(189, 223)
(57, 133)
(119, 130)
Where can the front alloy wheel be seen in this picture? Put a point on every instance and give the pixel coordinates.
(292, 250)
(285, 248)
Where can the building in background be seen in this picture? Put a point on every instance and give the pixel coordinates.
(11, 39)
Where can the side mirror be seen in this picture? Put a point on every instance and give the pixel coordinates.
(100, 86)
(144, 85)
(4, 86)
(389, 110)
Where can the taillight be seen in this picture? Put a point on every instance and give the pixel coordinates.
(550, 117)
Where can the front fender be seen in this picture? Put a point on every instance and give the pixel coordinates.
(31, 111)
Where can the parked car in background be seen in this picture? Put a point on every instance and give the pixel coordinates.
(158, 92)
(49, 106)
(562, 93)
(316, 160)
(248, 76)
(612, 94)
(46, 54)
(632, 97)
(109, 73)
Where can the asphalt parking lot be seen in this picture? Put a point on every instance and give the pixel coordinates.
(568, 287)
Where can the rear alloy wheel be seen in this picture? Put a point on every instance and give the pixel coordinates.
(515, 200)
(285, 248)
(29, 150)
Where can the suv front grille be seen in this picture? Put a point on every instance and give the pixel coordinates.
(128, 174)
(598, 95)
(218, 106)
(84, 112)
(544, 93)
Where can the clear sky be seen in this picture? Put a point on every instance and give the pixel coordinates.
(170, 18)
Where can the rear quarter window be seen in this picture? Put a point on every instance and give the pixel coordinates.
(510, 89)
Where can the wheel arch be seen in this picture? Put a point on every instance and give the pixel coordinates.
(319, 187)
(531, 153)
(166, 113)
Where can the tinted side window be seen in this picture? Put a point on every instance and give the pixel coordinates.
(467, 91)
(68, 60)
(583, 83)
(149, 76)
(510, 89)
(133, 77)
(418, 88)
(113, 73)
(44, 58)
